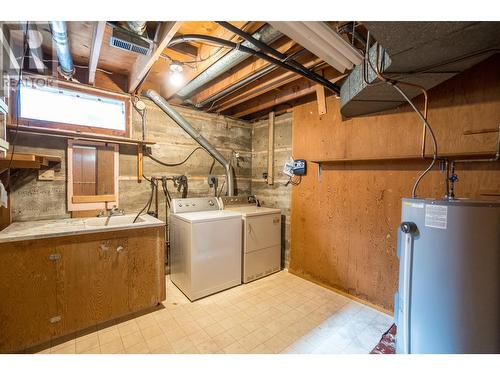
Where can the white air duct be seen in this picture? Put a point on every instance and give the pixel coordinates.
(320, 39)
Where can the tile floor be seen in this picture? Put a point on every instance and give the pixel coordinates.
(281, 313)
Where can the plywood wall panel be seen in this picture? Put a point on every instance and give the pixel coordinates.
(344, 226)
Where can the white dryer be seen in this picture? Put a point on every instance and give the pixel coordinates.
(261, 227)
(205, 247)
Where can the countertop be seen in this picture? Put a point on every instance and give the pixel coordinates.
(29, 230)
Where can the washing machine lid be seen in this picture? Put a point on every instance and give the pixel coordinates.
(252, 210)
(203, 216)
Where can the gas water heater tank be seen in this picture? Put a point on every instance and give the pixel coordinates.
(449, 282)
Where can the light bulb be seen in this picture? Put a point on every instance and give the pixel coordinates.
(176, 79)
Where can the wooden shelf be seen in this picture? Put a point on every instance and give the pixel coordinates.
(28, 161)
(456, 156)
(77, 135)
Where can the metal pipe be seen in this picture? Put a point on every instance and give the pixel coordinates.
(240, 47)
(174, 115)
(60, 37)
(267, 34)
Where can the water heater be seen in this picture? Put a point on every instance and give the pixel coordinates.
(449, 281)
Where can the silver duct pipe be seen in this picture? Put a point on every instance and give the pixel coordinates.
(266, 35)
(60, 37)
(181, 121)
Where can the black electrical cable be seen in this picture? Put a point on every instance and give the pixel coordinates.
(238, 46)
(150, 155)
(148, 204)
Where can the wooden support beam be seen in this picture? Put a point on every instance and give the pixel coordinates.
(244, 70)
(144, 63)
(321, 98)
(95, 49)
(265, 84)
(289, 92)
(270, 150)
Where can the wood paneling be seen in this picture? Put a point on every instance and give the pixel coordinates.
(344, 225)
(105, 170)
(84, 170)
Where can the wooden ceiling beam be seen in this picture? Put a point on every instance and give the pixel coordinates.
(95, 49)
(210, 54)
(289, 92)
(261, 86)
(144, 63)
(284, 45)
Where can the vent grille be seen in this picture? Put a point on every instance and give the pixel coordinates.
(130, 42)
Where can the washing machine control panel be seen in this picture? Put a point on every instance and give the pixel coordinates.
(194, 204)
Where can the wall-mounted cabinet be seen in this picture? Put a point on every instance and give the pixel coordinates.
(55, 286)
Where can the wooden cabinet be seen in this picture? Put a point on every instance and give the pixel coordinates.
(28, 308)
(49, 288)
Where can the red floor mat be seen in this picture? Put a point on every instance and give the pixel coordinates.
(387, 344)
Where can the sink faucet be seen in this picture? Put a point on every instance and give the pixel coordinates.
(115, 211)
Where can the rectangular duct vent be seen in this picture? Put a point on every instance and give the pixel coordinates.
(130, 42)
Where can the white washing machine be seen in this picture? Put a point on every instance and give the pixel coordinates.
(205, 247)
(261, 227)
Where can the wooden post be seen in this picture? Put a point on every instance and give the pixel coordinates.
(270, 150)
(320, 96)
(140, 157)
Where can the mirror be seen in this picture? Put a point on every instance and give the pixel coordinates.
(92, 172)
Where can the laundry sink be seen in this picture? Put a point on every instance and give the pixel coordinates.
(113, 221)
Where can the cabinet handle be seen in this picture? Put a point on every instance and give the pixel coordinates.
(119, 248)
(104, 247)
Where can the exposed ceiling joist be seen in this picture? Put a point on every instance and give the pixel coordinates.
(289, 92)
(144, 63)
(234, 76)
(261, 86)
(95, 49)
(35, 42)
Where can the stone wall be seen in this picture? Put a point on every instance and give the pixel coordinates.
(277, 195)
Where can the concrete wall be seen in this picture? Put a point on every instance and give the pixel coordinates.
(33, 199)
(277, 195)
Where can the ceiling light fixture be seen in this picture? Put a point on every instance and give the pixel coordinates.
(320, 39)
(176, 78)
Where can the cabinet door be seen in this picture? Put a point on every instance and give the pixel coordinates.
(146, 268)
(28, 310)
(92, 282)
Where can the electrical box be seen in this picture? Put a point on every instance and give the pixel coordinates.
(299, 167)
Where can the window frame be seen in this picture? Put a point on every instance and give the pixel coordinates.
(77, 129)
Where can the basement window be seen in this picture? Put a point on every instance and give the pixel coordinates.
(74, 109)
